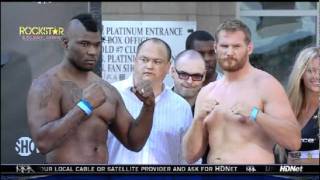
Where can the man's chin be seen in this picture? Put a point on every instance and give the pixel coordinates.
(229, 68)
(147, 78)
(210, 70)
(188, 93)
(86, 69)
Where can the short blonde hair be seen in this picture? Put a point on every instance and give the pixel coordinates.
(232, 25)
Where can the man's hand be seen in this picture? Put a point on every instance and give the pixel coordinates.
(242, 110)
(95, 95)
(205, 107)
(143, 90)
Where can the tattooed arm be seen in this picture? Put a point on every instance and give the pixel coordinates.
(48, 128)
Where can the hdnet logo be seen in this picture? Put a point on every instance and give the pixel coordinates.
(284, 168)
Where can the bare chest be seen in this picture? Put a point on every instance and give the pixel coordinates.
(71, 95)
(242, 93)
(229, 126)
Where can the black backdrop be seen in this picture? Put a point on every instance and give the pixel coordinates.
(24, 56)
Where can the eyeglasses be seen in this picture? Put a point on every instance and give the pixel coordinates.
(185, 76)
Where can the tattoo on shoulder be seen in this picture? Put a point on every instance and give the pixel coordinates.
(46, 91)
(72, 89)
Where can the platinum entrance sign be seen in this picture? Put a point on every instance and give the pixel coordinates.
(123, 37)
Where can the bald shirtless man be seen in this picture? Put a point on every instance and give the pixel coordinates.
(243, 115)
(70, 109)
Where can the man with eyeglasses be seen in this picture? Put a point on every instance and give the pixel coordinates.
(203, 42)
(188, 73)
(172, 115)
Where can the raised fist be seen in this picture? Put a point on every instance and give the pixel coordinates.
(95, 95)
(205, 107)
(143, 90)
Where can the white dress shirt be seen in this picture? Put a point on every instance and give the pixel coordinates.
(172, 117)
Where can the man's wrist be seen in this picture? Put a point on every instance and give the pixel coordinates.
(85, 106)
(149, 104)
(254, 114)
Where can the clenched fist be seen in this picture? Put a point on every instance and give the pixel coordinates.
(143, 90)
(95, 95)
(205, 107)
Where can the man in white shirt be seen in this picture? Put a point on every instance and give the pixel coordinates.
(172, 114)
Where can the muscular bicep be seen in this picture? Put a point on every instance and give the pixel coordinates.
(42, 104)
(276, 103)
(278, 119)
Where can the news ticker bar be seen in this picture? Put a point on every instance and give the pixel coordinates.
(32, 169)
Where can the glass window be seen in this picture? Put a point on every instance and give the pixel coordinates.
(278, 6)
(277, 40)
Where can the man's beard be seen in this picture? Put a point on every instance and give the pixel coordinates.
(231, 64)
(189, 93)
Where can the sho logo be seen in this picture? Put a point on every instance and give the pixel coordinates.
(24, 169)
(25, 146)
(251, 169)
(291, 168)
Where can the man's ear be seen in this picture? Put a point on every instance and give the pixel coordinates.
(215, 47)
(65, 42)
(204, 76)
(171, 69)
(250, 47)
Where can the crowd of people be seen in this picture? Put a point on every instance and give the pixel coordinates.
(242, 115)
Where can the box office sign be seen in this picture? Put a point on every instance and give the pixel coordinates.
(121, 39)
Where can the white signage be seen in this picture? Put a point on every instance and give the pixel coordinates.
(123, 37)
(25, 146)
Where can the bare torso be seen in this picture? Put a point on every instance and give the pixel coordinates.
(231, 140)
(88, 143)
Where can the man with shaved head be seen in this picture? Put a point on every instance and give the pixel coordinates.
(70, 108)
(188, 73)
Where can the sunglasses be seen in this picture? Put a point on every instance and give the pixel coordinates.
(185, 76)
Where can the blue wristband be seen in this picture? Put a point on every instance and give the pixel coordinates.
(87, 103)
(254, 113)
(85, 106)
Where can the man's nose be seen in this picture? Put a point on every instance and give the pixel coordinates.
(206, 57)
(149, 64)
(189, 80)
(93, 50)
(230, 51)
